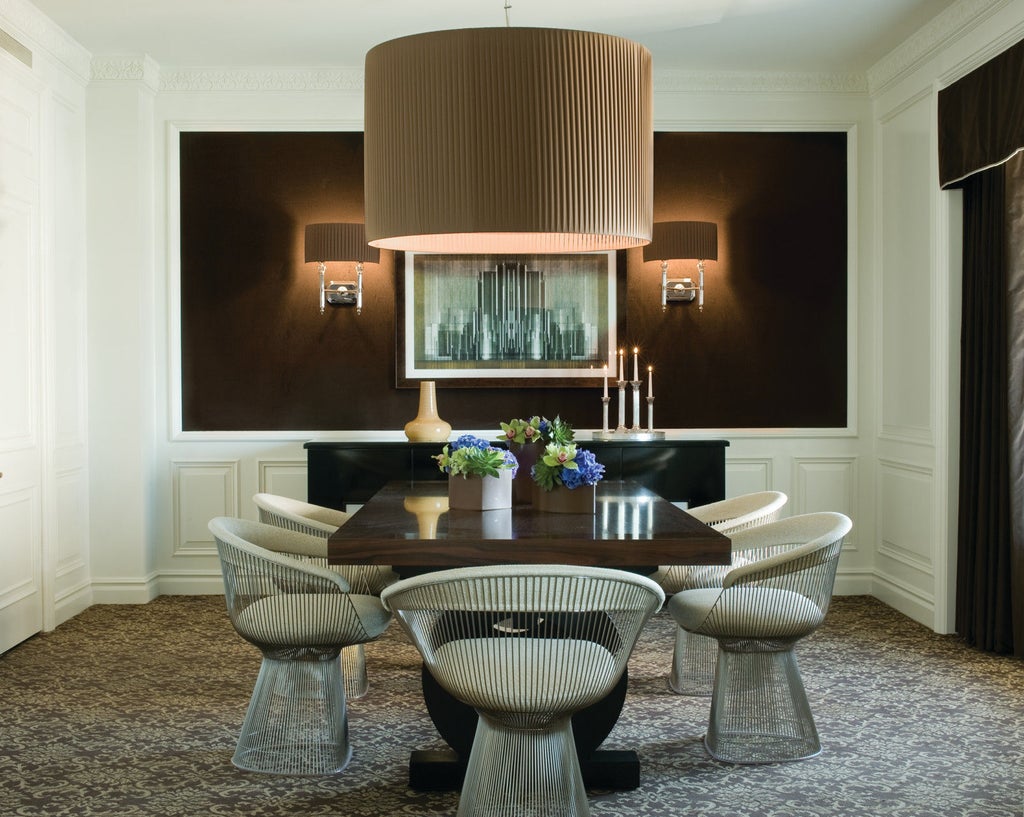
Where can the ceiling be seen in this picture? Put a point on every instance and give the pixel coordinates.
(818, 36)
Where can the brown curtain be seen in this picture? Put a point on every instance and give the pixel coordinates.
(983, 604)
(981, 136)
(1015, 346)
(981, 117)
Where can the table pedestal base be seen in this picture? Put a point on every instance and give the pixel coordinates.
(442, 770)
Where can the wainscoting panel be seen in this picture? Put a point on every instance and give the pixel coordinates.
(747, 475)
(906, 508)
(202, 490)
(72, 521)
(20, 579)
(826, 484)
(283, 477)
(19, 512)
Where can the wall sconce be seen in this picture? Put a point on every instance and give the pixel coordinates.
(340, 242)
(678, 240)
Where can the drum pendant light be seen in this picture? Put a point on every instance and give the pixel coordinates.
(508, 140)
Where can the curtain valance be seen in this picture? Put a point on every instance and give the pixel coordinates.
(981, 117)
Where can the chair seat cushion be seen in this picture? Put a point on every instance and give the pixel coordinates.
(513, 674)
(746, 612)
(313, 619)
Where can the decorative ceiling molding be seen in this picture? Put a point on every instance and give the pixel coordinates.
(262, 79)
(351, 79)
(948, 26)
(38, 32)
(142, 69)
(738, 82)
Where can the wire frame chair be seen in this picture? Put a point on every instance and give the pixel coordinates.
(759, 708)
(300, 616)
(526, 646)
(316, 520)
(694, 656)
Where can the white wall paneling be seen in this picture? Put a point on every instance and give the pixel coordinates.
(825, 484)
(906, 544)
(748, 475)
(201, 491)
(905, 360)
(283, 477)
(22, 599)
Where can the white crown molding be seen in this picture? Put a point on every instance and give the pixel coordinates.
(36, 31)
(351, 79)
(739, 82)
(127, 69)
(928, 40)
(262, 79)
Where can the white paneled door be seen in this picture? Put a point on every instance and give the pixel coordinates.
(21, 598)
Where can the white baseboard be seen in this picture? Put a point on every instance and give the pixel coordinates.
(853, 583)
(73, 602)
(120, 590)
(905, 600)
(192, 583)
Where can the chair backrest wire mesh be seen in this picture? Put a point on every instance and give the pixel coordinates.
(530, 643)
(786, 588)
(274, 600)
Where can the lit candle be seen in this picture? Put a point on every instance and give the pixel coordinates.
(622, 374)
(636, 363)
(650, 381)
(605, 381)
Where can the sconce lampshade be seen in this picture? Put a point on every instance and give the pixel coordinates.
(508, 140)
(339, 242)
(676, 240)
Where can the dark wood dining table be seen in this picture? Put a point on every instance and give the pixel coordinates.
(409, 526)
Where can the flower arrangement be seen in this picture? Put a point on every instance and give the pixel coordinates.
(537, 429)
(565, 464)
(473, 456)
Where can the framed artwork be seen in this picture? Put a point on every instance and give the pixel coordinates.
(499, 320)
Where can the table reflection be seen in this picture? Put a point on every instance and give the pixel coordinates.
(427, 510)
(618, 515)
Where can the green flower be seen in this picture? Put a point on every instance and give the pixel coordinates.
(522, 431)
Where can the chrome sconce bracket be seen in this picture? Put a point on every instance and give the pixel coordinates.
(680, 289)
(342, 293)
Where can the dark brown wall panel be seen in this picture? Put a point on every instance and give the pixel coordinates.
(769, 350)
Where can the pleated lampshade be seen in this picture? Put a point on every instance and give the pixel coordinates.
(339, 242)
(673, 240)
(508, 140)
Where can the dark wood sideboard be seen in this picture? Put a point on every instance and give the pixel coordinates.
(349, 473)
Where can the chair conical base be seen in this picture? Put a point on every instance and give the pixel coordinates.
(296, 723)
(693, 664)
(759, 710)
(353, 669)
(523, 773)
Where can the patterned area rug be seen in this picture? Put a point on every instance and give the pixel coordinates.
(134, 710)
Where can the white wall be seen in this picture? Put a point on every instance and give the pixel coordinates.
(893, 470)
(55, 162)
